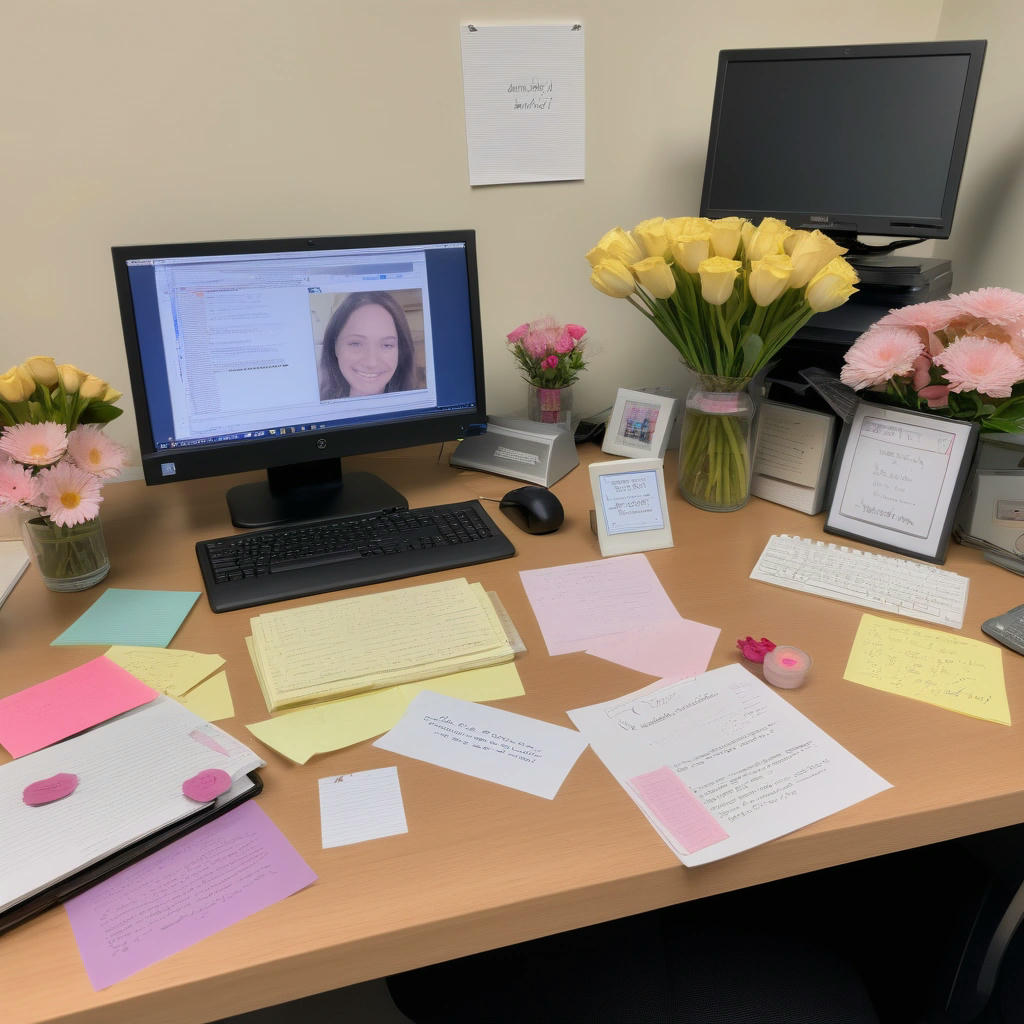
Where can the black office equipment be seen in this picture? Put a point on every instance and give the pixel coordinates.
(533, 509)
(313, 558)
(230, 370)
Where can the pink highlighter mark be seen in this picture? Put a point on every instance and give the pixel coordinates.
(45, 791)
(683, 816)
(207, 785)
(207, 741)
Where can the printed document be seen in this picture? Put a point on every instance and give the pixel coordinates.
(721, 763)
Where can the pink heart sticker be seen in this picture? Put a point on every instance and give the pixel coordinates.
(207, 785)
(45, 791)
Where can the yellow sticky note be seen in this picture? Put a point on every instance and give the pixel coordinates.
(170, 671)
(299, 735)
(210, 700)
(949, 671)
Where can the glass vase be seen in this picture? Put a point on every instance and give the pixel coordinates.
(550, 405)
(715, 444)
(67, 557)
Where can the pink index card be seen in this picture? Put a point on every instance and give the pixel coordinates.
(67, 704)
(209, 879)
(681, 814)
(668, 650)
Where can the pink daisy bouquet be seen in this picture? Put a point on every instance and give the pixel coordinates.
(549, 355)
(961, 357)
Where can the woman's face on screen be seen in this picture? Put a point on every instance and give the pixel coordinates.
(367, 350)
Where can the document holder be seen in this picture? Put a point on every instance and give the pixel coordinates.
(65, 888)
(539, 453)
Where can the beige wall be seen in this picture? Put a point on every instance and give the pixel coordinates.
(131, 121)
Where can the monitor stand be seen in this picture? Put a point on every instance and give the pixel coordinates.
(309, 491)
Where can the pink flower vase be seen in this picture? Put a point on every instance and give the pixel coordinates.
(550, 405)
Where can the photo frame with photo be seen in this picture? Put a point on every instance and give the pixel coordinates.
(639, 425)
(897, 479)
(631, 507)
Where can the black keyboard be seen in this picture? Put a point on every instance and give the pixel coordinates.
(283, 562)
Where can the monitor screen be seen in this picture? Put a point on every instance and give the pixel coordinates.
(847, 139)
(286, 355)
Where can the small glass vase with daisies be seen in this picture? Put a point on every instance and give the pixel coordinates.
(54, 460)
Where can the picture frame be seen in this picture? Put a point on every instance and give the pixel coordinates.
(630, 506)
(639, 425)
(793, 455)
(898, 477)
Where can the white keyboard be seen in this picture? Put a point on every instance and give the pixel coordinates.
(888, 584)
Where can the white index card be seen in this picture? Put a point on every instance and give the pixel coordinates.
(361, 806)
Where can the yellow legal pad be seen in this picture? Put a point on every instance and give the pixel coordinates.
(355, 644)
(949, 671)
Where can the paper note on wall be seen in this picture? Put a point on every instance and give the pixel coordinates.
(950, 671)
(525, 102)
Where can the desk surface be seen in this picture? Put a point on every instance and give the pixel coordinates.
(483, 866)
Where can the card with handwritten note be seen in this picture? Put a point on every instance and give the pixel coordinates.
(950, 671)
(487, 743)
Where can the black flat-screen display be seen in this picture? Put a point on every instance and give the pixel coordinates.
(287, 354)
(848, 139)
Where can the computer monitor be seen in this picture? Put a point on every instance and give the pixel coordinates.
(285, 355)
(847, 139)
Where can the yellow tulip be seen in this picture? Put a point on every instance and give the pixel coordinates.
(92, 387)
(766, 239)
(769, 278)
(678, 227)
(810, 254)
(42, 369)
(111, 394)
(725, 236)
(617, 245)
(612, 277)
(831, 286)
(13, 386)
(651, 235)
(656, 276)
(690, 250)
(717, 278)
(70, 377)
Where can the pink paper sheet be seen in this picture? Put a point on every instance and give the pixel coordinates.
(67, 704)
(670, 650)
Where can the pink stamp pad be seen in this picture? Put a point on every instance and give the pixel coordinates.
(207, 785)
(45, 791)
(786, 667)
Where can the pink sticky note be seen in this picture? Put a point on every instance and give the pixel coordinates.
(67, 704)
(681, 814)
(669, 650)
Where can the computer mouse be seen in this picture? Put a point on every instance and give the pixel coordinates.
(533, 509)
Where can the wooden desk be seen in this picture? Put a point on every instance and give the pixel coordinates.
(483, 866)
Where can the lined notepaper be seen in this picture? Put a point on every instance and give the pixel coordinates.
(141, 618)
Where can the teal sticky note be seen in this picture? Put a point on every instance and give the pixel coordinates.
(133, 618)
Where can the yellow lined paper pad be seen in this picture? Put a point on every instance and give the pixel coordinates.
(949, 671)
(362, 643)
(169, 671)
(211, 699)
(299, 735)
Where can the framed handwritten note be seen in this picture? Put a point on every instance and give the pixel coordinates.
(897, 479)
(632, 511)
(525, 102)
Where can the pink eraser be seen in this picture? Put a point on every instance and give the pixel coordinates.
(45, 791)
(786, 667)
(207, 785)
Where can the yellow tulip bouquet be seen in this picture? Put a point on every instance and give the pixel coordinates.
(727, 295)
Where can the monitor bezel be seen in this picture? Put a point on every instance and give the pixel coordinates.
(306, 447)
(840, 222)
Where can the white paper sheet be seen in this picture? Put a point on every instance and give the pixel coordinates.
(720, 763)
(487, 743)
(525, 102)
(361, 806)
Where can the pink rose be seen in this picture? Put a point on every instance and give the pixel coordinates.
(566, 342)
(575, 331)
(518, 333)
(550, 363)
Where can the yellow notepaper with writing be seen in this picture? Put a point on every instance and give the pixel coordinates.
(211, 699)
(949, 671)
(166, 669)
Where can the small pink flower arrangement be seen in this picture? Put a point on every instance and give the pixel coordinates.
(549, 355)
(961, 357)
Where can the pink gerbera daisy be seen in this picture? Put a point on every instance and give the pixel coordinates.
(932, 316)
(996, 305)
(981, 364)
(18, 485)
(35, 444)
(72, 495)
(92, 450)
(879, 355)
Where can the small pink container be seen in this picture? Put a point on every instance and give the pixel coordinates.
(786, 667)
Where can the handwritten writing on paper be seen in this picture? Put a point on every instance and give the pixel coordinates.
(944, 669)
(535, 94)
(487, 743)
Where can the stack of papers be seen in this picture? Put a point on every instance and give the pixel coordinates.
(363, 643)
(13, 562)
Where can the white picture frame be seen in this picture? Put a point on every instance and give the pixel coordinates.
(898, 477)
(639, 425)
(793, 455)
(630, 506)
